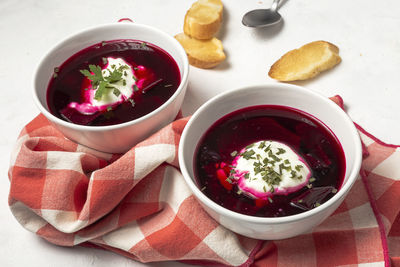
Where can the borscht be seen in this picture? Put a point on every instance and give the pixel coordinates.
(269, 161)
(112, 82)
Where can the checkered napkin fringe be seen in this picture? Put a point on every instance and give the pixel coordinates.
(138, 205)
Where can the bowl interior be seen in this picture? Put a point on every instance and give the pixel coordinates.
(86, 38)
(275, 94)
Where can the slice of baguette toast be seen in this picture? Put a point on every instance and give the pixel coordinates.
(203, 54)
(305, 62)
(203, 19)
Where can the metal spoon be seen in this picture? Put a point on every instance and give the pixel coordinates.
(262, 17)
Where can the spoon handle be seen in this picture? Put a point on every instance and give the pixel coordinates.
(274, 5)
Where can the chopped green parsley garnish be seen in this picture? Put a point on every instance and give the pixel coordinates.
(272, 190)
(116, 92)
(249, 146)
(248, 154)
(266, 167)
(104, 83)
(132, 102)
(262, 145)
(298, 167)
(55, 72)
(280, 151)
(268, 148)
(273, 156)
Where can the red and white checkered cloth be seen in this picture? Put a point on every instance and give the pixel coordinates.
(138, 205)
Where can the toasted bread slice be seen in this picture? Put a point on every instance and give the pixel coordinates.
(203, 19)
(305, 62)
(203, 54)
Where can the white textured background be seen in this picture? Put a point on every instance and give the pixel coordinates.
(366, 31)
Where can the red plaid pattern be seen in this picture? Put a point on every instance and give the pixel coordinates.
(138, 205)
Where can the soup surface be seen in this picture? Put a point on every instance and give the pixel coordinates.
(112, 82)
(269, 161)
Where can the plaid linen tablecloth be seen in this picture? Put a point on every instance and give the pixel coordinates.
(138, 205)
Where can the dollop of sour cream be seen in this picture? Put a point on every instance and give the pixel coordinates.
(125, 85)
(267, 168)
(109, 99)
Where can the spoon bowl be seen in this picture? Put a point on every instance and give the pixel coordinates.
(262, 17)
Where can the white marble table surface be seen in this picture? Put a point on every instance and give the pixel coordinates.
(366, 31)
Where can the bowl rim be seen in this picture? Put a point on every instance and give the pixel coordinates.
(78, 127)
(339, 196)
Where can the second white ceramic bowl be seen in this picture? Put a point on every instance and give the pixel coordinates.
(271, 94)
(121, 137)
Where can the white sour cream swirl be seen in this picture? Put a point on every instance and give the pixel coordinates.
(268, 167)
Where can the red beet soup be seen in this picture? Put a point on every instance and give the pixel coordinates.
(241, 134)
(112, 82)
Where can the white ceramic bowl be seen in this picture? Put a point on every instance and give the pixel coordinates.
(121, 137)
(275, 94)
